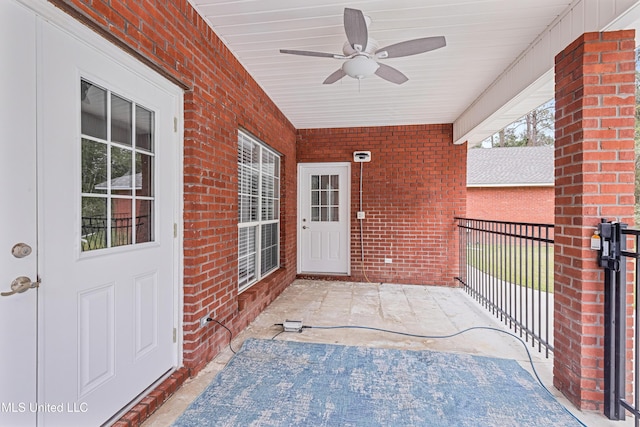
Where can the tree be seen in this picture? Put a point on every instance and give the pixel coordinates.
(534, 128)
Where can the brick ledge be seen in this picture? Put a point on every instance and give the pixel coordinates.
(147, 406)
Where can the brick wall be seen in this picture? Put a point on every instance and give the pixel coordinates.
(517, 204)
(219, 98)
(413, 187)
(595, 107)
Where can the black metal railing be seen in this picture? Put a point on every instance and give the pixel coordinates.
(95, 230)
(508, 268)
(618, 255)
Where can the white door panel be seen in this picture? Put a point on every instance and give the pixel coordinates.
(107, 315)
(324, 218)
(100, 328)
(17, 213)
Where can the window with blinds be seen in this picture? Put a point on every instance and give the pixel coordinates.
(258, 210)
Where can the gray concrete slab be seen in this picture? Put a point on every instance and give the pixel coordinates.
(421, 310)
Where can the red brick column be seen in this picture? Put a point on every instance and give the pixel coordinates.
(594, 168)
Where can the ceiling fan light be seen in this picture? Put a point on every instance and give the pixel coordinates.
(360, 67)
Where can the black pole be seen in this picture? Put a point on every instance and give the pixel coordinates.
(609, 344)
(614, 323)
(620, 322)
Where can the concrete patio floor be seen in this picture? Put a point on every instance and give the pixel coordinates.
(421, 310)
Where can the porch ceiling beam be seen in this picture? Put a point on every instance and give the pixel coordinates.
(528, 81)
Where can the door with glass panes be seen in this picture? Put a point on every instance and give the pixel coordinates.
(109, 200)
(98, 199)
(323, 218)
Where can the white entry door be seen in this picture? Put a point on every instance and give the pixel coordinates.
(99, 144)
(323, 218)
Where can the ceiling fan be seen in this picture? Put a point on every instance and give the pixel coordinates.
(361, 53)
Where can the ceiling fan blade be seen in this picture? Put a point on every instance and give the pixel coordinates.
(334, 77)
(355, 26)
(391, 74)
(311, 53)
(411, 47)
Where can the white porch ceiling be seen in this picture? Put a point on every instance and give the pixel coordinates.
(485, 38)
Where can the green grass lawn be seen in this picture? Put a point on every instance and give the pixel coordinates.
(529, 265)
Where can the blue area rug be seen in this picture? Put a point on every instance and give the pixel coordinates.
(280, 383)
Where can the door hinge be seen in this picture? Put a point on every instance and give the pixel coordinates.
(175, 230)
(175, 335)
(175, 124)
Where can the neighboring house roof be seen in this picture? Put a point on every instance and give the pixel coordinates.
(122, 182)
(510, 167)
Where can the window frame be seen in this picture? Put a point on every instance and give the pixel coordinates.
(254, 255)
(108, 193)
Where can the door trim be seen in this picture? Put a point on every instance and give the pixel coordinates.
(45, 11)
(299, 215)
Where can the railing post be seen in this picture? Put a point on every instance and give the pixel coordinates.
(615, 282)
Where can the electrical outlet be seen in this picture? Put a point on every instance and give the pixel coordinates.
(203, 321)
(388, 260)
(360, 215)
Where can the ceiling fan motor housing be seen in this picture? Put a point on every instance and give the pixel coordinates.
(369, 49)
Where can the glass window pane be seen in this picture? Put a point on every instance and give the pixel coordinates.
(335, 183)
(94, 167)
(246, 255)
(248, 152)
(315, 198)
(94, 223)
(144, 175)
(323, 198)
(243, 272)
(315, 214)
(121, 222)
(247, 240)
(268, 185)
(121, 179)
(244, 180)
(269, 253)
(315, 182)
(248, 209)
(144, 221)
(324, 214)
(254, 182)
(254, 208)
(268, 209)
(334, 214)
(244, 208)
(144, 128)
(268, 163)
(120, 120)
(248, 178)
(93, 110)
(267, 237)
(335, 197)
(324, 182)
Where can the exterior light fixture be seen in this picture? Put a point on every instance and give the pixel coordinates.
(360, 67)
